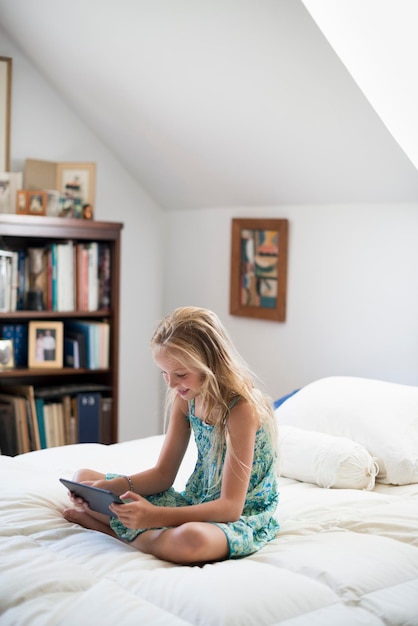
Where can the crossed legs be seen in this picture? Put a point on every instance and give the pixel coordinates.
(190, 543)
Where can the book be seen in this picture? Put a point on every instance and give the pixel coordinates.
(69, 420)
(106, 415)
(96, 339)
(21, 420)
(27, 392)
(58, 391)
(8, 434)
(88, 415)
(104, 276)
(79, 337)
(39, 403)
(71, 353)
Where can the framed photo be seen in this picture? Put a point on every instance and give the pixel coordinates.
(6, 354)
(5, 107)
(45, 344)
(259, 268)
(31, 202)
(76, 184)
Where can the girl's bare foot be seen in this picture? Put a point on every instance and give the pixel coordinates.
(87, 521)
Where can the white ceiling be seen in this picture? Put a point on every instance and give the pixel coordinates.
(216, 102)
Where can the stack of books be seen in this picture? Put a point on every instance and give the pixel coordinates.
(32, 418)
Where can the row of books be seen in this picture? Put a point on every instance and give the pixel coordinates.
(86, 343)
(33, 418)
(66, 276)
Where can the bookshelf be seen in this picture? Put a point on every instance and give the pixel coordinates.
(21, 232)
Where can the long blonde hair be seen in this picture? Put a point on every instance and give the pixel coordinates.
(199, 341)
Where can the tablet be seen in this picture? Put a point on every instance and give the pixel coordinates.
(97, 499)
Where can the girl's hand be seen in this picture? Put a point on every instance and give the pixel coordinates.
(138, 513)
(80, 503)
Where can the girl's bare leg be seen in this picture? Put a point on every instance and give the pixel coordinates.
(192, 542)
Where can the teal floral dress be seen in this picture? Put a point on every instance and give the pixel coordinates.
(257, 524)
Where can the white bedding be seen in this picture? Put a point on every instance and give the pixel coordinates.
(344, 557)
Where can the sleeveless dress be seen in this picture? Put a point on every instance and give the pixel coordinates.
(257, 524)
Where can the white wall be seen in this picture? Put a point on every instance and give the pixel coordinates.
(352, 306)
(44, 127)
(352, 281)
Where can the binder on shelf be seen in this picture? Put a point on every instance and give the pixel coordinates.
(88, 416)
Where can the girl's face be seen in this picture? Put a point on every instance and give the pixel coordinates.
(186, 382)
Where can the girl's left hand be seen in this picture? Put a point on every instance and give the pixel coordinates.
(138, 513)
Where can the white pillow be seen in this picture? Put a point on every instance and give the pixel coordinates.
(381, 416)
(325, 460)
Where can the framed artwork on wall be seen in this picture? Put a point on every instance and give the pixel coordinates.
(258, 281)
(5, 108)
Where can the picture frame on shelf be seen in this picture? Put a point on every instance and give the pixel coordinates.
(45, 344)
(258, 281)
(6, 354)
(76, 182)
(5, 109)
(31, 202)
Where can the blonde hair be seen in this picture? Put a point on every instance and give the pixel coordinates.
(198, 340)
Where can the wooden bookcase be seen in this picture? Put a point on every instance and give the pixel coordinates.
(23, 231)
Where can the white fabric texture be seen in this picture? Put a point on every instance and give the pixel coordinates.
(381, 416)
(343, 556)
(325, 460)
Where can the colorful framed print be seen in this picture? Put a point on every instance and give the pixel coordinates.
(259, 268)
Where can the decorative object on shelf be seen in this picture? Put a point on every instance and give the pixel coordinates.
(10, 183)
(74, 182)
(45, 344)
(34, 297)
(5, 108)
(6, 354)
(259, 268)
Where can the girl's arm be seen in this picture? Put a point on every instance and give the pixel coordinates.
(160, 477)
(242, 426)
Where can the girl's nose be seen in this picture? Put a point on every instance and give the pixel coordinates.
(170, 381)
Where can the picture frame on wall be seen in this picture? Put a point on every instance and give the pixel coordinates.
(5, 111)
(258, 282)
(45, 344)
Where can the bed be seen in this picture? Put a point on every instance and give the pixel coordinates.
(346, 555)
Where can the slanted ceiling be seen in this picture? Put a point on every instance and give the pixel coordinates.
(216, 102)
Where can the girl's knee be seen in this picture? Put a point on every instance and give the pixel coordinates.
(199, 541)
(84, 474)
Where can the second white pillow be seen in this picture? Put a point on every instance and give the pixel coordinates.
(325, 460)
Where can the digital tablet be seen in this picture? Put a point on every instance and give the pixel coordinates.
(97, 499)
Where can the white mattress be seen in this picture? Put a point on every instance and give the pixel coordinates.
(344, 557)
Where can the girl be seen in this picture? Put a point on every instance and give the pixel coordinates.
(226, 509)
